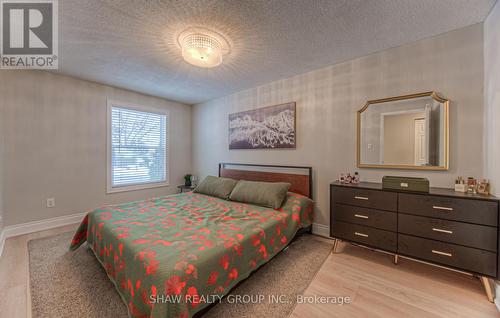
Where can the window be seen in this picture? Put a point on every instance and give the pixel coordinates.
(137, 148)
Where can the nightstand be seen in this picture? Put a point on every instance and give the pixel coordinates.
(184, 188)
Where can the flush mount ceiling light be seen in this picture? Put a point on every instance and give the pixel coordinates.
(203, 48)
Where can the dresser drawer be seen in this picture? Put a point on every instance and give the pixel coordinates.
(464, 210)
(375, 218)
(465, 258)
(365, 198)
(364, 235)
(472, 235)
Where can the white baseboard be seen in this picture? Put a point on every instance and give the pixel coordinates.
(36, 226)
(321, 230)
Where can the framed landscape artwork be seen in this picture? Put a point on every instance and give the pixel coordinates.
(263, 128)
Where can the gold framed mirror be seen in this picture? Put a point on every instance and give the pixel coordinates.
(404, 132)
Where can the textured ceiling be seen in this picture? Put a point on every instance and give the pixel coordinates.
(132, 43)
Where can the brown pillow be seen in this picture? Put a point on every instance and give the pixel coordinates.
(267, 194)
(216, 187)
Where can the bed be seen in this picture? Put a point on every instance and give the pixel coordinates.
(176, 255)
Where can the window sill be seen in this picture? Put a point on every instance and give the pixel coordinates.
(136, 187)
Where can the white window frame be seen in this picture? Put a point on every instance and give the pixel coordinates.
(134, 187)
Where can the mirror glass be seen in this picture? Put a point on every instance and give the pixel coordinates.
(408, 132)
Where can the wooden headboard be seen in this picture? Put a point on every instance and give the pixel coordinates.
(300, 178)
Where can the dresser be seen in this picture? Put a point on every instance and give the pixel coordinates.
(442, 227)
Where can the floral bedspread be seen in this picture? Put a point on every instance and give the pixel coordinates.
(172, 256)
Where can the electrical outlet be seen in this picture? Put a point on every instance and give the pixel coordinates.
(51, 202)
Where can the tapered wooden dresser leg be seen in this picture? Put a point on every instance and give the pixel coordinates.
(487, 287)
(335, 243)
(395, 259)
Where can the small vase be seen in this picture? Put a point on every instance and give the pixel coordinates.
(187, 183)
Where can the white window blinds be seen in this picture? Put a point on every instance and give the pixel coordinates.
(138, 147)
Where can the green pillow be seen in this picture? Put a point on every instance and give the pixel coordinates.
(268, 194)
(216, 187)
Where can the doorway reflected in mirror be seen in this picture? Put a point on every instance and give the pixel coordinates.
(409, 132)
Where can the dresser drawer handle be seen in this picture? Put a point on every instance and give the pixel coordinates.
(441, 253)
(442, 208)
(361, 216)
(360, 198)
(442, 231)
(360, 234)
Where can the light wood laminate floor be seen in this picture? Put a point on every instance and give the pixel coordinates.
(376, 286)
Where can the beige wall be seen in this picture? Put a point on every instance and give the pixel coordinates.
(55, 144)
(327, 101)
(492, 97)
(492, 104)
(1, 170)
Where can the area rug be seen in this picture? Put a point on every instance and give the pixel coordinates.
(73, 284)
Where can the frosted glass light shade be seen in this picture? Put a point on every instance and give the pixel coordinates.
(201, 50)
